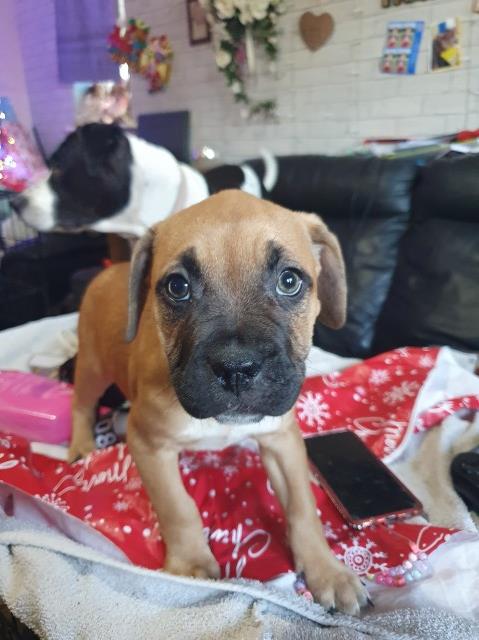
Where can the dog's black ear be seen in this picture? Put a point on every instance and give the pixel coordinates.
(332, 288)
(139, 267)
(227, 176)
(99, 144)
(98, 138)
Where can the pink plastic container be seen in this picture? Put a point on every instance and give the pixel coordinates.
(34, 407)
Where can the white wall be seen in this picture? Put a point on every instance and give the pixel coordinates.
(328, 100)
(51, 103)
(12, 76)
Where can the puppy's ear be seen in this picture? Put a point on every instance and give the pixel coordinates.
(139, 268)
(332, 288)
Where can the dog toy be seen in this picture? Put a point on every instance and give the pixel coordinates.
(35, 408)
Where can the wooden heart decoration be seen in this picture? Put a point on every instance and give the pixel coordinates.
(316, 30)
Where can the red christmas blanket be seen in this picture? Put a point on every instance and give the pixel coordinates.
(384, 400)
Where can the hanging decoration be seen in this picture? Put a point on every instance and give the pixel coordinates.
(20, 160)
(147, 56)
(316, 30)
(238, 27)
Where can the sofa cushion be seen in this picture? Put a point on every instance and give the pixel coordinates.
(343, 186)
(366, 202)
(45, 264)
(434, 297)
(449, 189)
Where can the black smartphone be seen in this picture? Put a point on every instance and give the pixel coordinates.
(360, 485)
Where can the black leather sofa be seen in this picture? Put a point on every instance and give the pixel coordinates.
(409, 229)
(37, 277)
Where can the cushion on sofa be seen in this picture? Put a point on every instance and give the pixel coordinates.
(35, 275)
(434, 298)
(366, 202)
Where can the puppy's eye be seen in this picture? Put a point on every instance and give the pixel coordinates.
(178, 288)
(289, 283)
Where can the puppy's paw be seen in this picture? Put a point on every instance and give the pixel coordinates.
(336, 587)
(80, 449)
(200, 566)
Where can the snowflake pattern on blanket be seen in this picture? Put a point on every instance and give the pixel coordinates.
(373, 398)
(242, 518)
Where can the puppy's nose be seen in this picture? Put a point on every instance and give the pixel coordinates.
(18, 203)
(234, 371)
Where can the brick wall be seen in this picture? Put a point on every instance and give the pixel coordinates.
(51, 103)
(12, 76)
(328, 100)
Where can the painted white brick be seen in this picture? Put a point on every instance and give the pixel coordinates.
(421, 126)
(446, 104)
(456, 122)
(459, 81)
(369, 48)
(341, 9)
(423, 85)
(328, 100)
(378, 89)
(348, 31)
(393, 107)
(450, 9)
(377, 128)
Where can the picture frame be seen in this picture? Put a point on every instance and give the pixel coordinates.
(386, 4)
(198, 27)
(446, 49)
(401, 49)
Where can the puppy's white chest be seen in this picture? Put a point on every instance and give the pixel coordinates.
(211, 434)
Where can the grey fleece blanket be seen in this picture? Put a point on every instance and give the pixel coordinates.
(63, 590)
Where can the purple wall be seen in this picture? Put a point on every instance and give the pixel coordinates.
(12, 76)
(51, 102)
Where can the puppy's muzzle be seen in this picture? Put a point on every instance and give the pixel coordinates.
(235, 369)
(240, 376)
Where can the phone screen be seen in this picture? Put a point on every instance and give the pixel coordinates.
(361, 482)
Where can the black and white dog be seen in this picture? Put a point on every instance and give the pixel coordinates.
(106, 180)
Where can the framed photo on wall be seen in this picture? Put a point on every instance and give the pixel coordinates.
(401, 49)
(446, 45)
(395, 3)
(198, 27)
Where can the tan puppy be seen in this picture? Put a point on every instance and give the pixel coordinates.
(223, 297)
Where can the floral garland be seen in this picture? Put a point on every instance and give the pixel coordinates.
(237, 25)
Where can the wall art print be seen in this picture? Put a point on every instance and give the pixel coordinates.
(401, 49)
